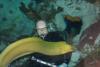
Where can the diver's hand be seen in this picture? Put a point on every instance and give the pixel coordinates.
(23, 8)
(75, 58)
(28, 11)
(63, 65)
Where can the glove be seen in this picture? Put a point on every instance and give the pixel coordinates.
(75, 58)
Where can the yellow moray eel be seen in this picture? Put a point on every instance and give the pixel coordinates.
(32, 45)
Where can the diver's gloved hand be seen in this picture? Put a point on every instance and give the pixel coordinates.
(28, 11)
(75, 58)
(63, 65)
(23, 8)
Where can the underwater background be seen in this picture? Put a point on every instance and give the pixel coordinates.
(15, 25)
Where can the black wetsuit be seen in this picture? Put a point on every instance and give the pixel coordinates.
(53, 37)
(56, 60)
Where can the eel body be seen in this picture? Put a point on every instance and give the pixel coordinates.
(32, 45)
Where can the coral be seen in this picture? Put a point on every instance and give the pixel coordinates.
(89, 35)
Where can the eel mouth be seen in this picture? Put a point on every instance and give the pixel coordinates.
(32, 45)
